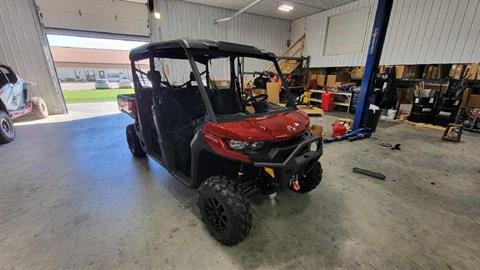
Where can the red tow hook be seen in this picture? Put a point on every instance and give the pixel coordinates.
(295, 185)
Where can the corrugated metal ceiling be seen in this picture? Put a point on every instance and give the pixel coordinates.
(301, 8)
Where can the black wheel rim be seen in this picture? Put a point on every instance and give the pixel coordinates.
(216, 214)
(5, 126)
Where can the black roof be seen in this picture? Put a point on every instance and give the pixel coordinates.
(176, 49)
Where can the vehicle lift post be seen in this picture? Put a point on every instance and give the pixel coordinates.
(379, 31)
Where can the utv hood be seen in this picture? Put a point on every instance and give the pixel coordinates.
(275, 127)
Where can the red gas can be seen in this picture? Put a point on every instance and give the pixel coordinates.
(338, 130)
(327, 101)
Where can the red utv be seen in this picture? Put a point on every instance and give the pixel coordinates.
(210, 134)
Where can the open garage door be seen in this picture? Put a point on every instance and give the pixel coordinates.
(117, 19)
(24, 47)
(82, 28)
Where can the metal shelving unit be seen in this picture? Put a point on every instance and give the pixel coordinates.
(346, 103)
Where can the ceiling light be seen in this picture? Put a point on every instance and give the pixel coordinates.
(157, 15)
(285, 8)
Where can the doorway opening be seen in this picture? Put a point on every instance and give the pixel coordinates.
(93, 69)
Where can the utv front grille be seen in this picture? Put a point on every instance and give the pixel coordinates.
(279, 151)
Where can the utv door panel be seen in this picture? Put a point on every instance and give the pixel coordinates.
(147, 131)
(162, 141)
(181, 113)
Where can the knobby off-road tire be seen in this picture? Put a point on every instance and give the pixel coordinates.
(7, 131)
(39, 108)
(311, 179)
(225, 211)
(134, 142)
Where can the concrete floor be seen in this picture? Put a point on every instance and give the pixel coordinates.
(72, 197)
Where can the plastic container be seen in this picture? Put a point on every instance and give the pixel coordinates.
(338, 130)
(391, 114)
(327, 101)
(374, 113)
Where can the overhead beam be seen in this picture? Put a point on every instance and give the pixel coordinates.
(238, 12)
(93, 34)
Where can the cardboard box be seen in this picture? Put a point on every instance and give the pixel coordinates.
(427, 72)
(321, 80)
(356, 74)
(451, 72)
(273, 92)
(257, 91)
(399, 71)
(404, 111)
(343, 76)
(474, 101)
(466, 95)
(407, 72)
(331, 80)
(435, 73)
(471, 72)
(459, 71)
(381, 69)
(411, 72)
(432, 72)
(456, 71)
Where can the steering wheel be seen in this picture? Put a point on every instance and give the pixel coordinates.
(257, 99)
(258, 102)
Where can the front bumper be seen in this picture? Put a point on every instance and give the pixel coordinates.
(296, 163)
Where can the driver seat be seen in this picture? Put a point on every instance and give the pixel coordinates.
(225, 101)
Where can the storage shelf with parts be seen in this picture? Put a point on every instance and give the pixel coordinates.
(341, 98)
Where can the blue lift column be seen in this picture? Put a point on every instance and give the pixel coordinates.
(377, 39)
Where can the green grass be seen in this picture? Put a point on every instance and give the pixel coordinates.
(88, 96)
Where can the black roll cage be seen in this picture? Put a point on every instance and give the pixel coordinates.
(10, 77)
(202, 51)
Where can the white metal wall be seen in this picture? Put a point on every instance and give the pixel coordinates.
(298, 29)
(24, 47)
(433, 31)
(419, 32)
(181, 19)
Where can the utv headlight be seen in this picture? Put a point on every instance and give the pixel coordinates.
(241, 145)
(237, 145)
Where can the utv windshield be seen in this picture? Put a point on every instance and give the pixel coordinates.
(237, 86)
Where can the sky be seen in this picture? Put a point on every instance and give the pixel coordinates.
(92, 43)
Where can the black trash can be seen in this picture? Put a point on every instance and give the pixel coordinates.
(373, 117)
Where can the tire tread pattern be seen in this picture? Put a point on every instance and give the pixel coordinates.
(134, 142)
(312, 179)
(238, 208)
(4, 138)
(40, 109)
